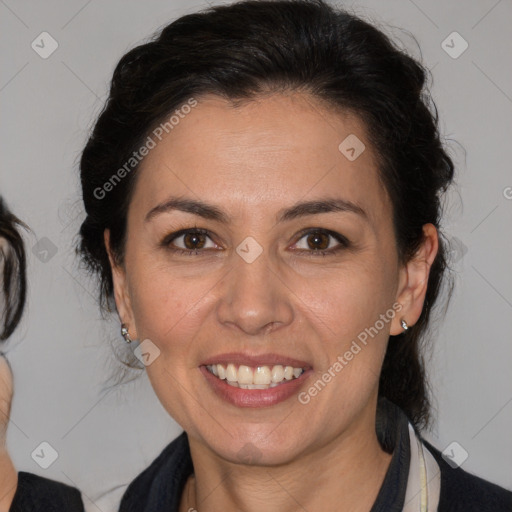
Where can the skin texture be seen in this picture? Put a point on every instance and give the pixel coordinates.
(252, 161)
(9, 476)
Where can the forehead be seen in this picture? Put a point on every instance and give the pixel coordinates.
(260, 154)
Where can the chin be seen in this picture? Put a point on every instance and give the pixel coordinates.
(257, 446)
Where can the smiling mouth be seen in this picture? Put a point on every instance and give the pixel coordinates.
(258, 377)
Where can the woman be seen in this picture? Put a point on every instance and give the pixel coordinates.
(20, 492)
(263, 197)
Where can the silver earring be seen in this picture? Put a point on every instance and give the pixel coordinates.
(404, 325)
(125, 334)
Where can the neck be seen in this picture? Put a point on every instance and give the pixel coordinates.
(349, 471)
(8, 480)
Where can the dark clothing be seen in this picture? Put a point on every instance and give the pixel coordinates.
(160, 486)
(464, 492)
(38, 494)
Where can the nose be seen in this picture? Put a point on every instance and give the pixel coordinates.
(254, 297)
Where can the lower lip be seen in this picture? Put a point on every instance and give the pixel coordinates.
(254, 397)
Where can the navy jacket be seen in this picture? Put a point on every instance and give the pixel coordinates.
(38, 494)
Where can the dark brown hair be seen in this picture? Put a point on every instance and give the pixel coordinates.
(249, 48)
(14, 280)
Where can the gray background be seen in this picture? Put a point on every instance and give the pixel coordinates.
(62, 353)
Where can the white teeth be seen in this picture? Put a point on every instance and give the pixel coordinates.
(244, 374)
(260, 377)
(231, 373)
(277, 373)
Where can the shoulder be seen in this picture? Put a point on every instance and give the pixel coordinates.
(36, 493)
(159, 486)
(464, 492)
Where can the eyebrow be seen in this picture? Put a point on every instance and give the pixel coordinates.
(212, 212)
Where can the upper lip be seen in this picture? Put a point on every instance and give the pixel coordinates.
(255, 360)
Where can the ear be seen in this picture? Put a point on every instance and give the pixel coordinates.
(121, 289)
(413, 280)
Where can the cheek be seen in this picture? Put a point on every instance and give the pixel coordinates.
(168, 309)
(351, 314)
(351, 343)
(347, 300)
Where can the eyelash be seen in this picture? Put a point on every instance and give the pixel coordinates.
(343, 241)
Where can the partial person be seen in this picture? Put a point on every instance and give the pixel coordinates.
(20, 491)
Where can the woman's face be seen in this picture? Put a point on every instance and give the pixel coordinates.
(297, 266)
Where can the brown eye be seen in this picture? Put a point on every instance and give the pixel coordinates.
(189, 241)
(321, 242)
(318, 241)
(194, 240)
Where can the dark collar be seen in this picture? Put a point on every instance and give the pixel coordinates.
(160, 486)
(393, 434)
